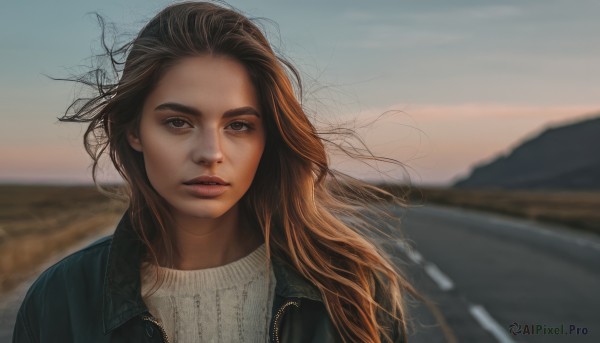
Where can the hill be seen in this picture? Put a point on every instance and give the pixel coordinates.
(563, 157)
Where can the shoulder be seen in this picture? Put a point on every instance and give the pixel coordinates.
(76, 280)
(82, 264)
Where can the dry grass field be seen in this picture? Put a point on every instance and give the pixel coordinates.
(38, 221)
(580, 210)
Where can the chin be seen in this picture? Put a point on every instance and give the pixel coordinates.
(204, 209)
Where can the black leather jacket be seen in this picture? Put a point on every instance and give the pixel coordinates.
(94, 295)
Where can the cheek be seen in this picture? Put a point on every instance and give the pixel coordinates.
(161, 159)
(250, 156)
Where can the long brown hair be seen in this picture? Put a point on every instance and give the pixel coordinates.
(316, 219)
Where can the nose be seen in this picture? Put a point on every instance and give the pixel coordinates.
(207, 147)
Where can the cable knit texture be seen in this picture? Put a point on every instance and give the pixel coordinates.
(229, 303)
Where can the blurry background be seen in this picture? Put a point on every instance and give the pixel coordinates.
(469, 79)
(492, 105)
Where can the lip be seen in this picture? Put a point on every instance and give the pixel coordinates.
(205, 179)
(206, 191)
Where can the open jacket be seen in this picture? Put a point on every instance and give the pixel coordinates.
(94, 295)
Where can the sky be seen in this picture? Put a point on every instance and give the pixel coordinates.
(452, 83)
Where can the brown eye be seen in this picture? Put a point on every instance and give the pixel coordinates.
(239, 126)
(176, 123)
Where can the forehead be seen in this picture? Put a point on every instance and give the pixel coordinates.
(201, 80)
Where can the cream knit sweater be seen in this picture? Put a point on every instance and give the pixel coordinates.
(230, 303)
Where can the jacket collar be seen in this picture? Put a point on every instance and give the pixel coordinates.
(122, 299)
(289, 284)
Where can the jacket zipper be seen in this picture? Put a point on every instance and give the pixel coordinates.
(278, 316)
(162, 330)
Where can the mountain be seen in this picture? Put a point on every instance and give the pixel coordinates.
(564, 157)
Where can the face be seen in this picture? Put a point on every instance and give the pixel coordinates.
(202, 119)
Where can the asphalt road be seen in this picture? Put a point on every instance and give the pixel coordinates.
(492, 272)
(485, 272)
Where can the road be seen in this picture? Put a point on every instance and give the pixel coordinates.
(486, 272)
(495, 271)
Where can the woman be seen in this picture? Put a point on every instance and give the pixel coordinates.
(234, 230)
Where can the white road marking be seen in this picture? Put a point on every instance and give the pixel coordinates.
(445, 284)
(440, 278)
(415, 256)
(410, 252)
(488, 323)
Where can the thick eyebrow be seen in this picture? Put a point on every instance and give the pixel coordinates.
(192, 111)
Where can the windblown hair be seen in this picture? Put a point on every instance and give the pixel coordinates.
(314, 218)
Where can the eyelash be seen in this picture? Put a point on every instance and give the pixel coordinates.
(248, 125)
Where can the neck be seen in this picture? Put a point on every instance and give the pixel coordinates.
(202, 243)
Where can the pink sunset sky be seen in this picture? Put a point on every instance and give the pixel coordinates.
(460, 82)
(436, 143)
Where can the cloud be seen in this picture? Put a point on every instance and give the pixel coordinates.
(487, 12)
(474, 110)
(406, 26)
(357, 15)
(396, 36)
(466, 13)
